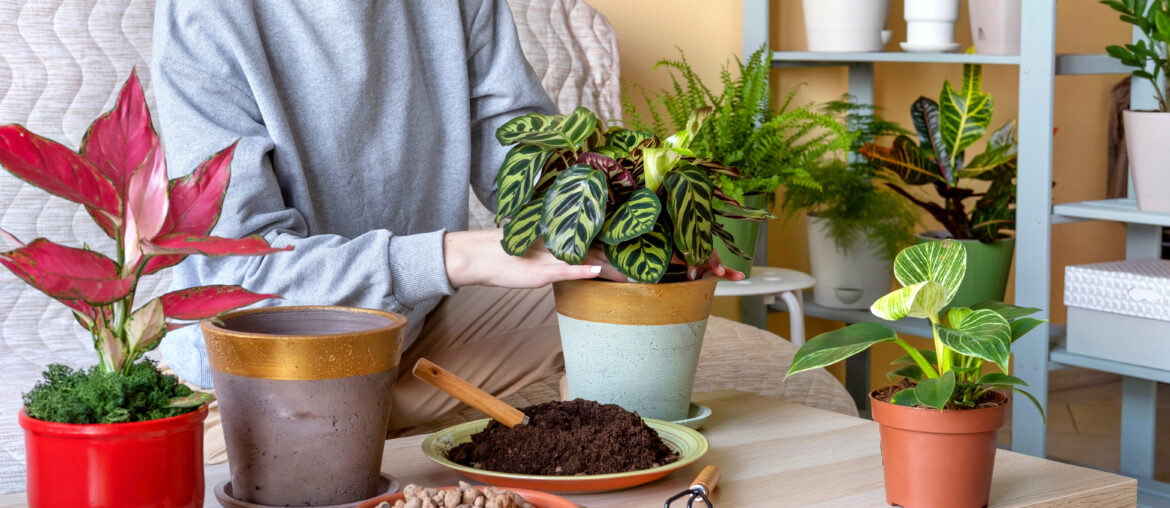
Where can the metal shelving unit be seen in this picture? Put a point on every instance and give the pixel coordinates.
(1035, 215)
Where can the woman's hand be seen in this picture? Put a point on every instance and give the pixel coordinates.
(476, 258)
(714, 266)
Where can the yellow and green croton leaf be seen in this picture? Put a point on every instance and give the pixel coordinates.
(633, 218)
(574, 211)
(964, 114)
(689, 193)
(517, 176)
(524, 228)
(567, 132)
(644, 258)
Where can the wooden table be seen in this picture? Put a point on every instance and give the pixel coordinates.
(776, 454)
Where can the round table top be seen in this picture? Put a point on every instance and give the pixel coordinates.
(766, 280)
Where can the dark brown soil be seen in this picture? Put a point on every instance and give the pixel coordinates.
(575, 437)
(989, 399)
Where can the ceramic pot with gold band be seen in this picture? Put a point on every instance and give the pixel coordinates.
(634, 345)
(304, 397)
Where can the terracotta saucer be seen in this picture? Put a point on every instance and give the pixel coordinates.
(536, 497)
(223, 494)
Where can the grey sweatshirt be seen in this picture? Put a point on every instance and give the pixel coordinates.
(360, 123)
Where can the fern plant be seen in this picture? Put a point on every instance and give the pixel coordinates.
(848, 199)
(770, 146)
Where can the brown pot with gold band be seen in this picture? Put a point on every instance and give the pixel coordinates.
(304, 397)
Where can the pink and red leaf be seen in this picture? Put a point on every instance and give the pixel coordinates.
(183, 243)
(66, 273)
(121, 140)
(57, 169)
(207, 301)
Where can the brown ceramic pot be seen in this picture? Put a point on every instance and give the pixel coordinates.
(935, 458)
(304, 397)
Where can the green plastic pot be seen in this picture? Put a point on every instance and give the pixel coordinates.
(988, 265)
(745, 232)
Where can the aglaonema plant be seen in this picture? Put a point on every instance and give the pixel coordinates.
(120, 176)
(946, 129)
(644, 201)
(951, 376)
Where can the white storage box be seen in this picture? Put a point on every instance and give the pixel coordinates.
(1120, 311)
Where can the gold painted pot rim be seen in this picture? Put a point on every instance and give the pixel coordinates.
(304, 356)
(634, 303)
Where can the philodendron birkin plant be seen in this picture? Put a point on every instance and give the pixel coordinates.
(951, 376)
(120, 176)
(643, 200)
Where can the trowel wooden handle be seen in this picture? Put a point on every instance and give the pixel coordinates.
(707, 478)
(468, 393)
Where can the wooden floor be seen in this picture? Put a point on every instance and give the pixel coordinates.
(1084, 420)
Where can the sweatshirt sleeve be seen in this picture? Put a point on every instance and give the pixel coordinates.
(503, 85)
(200, 113)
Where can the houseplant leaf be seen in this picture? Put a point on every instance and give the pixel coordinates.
(965, 114)
(574, 210)
(982, 334)
(58, 170)
(559, 131)
(632, 218)
(207, 301)
(524, 228)
(66, 273)
(689, 193)
(627, 139)
(944, 262)
(936, 392)
(1022, 326)
(517, 178)
(831, 347)
(1008, 311)
(658, 162)
(925, 114)
(147, 205)
(729, 241)
(904, 159)
(921, 300)
(617, 176)
(146, 326)
(644, 258)
(122, 139)
(196, 399)
(182, 243)
(905, 397)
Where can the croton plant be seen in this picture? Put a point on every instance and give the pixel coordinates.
(644, 201)
(120, 176)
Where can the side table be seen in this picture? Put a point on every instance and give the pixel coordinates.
(769, 283)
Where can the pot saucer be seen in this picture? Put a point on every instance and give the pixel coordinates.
(223, 494)
(696, 416)
(929, 47)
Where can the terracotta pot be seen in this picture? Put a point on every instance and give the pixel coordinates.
(304, 396)
(634, 345)
(115, 465)
(935, 458)
(1145, 131)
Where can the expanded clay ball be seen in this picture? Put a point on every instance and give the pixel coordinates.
(466, 496)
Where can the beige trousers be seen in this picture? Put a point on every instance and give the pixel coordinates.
(498, 339)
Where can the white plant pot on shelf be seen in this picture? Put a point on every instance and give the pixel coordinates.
(995, 26)
(852, 278)
(845, 25)
(930, 22)
(1146, 134)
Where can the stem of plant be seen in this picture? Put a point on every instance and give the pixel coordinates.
(927, 369)
(944, 354)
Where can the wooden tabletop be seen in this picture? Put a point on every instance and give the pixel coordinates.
(776, 454)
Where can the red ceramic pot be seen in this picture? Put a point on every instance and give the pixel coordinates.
(122, 465)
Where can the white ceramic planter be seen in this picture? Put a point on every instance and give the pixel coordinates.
(1146, 133)
(852, 278)
(845, 25)
(634, 345)
(930, 22)
(995, 26)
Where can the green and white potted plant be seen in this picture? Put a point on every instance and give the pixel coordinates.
(1147, 130)
(120, 433)
(940, 422)
(773, 146)
(643, 201)
(946, 129)
(855, 225)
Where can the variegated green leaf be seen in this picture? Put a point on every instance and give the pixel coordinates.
(1022, 326)
(1008, 311)
(524, 228)
(626, 139)
(633, 218)
(658, 162)
(682, 139)
(921, 300)
(195, 399)
(944, 262)
(904, 159)
(936, 392)
(729, 242)
(982, 334)
(999, 378)
(928, 122)
(905, 397)
(831, 347)
(559, 131)
(966, 113)
(910, 372)
(517, 178)
(1003, 136)
(689, 192)
(574, 210)
(645, 258)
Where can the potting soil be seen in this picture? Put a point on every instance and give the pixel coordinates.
(566, 438)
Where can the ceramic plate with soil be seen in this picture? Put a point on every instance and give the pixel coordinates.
(598, 459)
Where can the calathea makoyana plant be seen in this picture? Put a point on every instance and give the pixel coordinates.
(120, 176)
(946, 129)
(643, 200)
(951, 376)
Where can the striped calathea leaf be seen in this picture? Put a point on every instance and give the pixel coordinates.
(567, 132)
(729, 242)
(627, 139)
(689, 192)
(517, 178)
(617, 175)
(644, 258)
(574, 210)
(634, 217)
(524, 228)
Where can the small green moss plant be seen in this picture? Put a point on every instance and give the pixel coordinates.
(94, 395)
